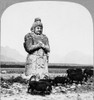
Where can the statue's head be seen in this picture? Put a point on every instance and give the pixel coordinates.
(37, 26)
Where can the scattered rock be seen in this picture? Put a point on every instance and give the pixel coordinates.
(5, 85)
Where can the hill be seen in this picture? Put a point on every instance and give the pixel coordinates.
(11, 55)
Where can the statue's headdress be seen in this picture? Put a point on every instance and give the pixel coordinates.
(37, 22)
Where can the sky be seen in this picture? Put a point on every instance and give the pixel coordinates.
(68, 26)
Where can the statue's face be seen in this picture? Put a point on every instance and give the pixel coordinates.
(38, 30)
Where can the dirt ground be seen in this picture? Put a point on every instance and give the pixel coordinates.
(23, 95)
(18, 91)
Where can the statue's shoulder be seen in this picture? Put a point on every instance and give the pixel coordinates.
(29, 35)
(44, 36)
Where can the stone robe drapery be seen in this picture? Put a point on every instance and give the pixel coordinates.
(37, 59)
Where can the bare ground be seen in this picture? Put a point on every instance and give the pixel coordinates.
(18, 91)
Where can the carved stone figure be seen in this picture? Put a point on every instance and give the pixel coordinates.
(37, 46)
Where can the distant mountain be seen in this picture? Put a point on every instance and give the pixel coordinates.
(78, 57)
(74, 57)
(7, 59)
(11, 55)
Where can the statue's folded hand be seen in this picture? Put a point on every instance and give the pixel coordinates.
(41, 44)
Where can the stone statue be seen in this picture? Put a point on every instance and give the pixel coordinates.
(37, 46)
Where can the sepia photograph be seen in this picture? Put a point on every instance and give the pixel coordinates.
(46, 50)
